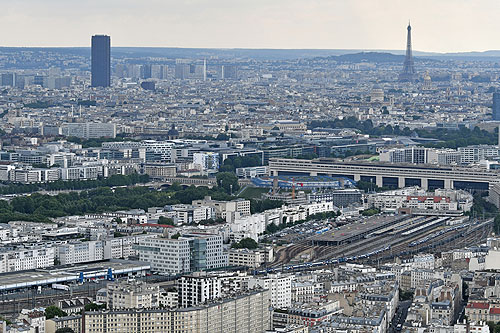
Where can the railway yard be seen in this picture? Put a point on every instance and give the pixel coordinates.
(380, 239)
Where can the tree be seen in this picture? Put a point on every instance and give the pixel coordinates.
(65, 330)
(246, 243)
(117, 220)
(165, 221)
(370, 212)
(53, 311)
(272, 228)
(94, 307)
(227, 181)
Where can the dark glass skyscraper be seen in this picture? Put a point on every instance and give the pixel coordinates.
(496, 106)
(101, 61)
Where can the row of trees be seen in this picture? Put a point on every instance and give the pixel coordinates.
(245, 243)
(365, 126)
(449, 138)
(40, 208)
(459, 138)
(97, 142)
(232, 163)
(115, 180)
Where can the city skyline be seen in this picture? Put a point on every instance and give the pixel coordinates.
(222, 24)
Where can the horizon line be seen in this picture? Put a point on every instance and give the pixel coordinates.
(251, 48)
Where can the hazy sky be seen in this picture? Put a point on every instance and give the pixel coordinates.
(438, 25)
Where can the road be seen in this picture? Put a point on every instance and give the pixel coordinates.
(399, 317)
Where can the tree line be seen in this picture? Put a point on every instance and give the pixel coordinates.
(449, 138)
(114, 180)
(41, 208)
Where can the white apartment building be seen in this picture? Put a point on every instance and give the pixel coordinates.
(191, 214)
(19, 259)
(252, 172)
(420, 277)
(79, 252)
(245, 313)
(158, 150)
(81, 172)
(423, 261)
(280, 287)
(123, 247)
(132, 295)
(225, 208)
(206, 161)
(319, 207)
(245, 257)
(198, 289)
(473, 327)
(5, 171)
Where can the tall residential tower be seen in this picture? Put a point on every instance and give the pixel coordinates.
(101, 61)
(496, 106)
(408, 74)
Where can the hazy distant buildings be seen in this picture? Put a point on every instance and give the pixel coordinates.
(496, 106)
(227, 72)
(182, 69)
(101, 61)
(8, 79)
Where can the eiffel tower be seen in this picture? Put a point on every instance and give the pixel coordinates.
(408, 74)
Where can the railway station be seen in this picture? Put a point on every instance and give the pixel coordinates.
(110, 269)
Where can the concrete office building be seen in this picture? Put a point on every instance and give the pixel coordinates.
(189, 253)
(166, 255)
(89, 130)
(391, 175)
(101, 61)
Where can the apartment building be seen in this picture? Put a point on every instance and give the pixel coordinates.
(279, 285)
(198, 289)
(223, 208)
(79, 252)
(132, 295)
(247, 313)
(20, 258)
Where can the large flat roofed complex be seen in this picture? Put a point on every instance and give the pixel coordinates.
(388, 174)
(356, 231)
(68, 274)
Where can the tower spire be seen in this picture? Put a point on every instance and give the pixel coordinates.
(408, 74)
